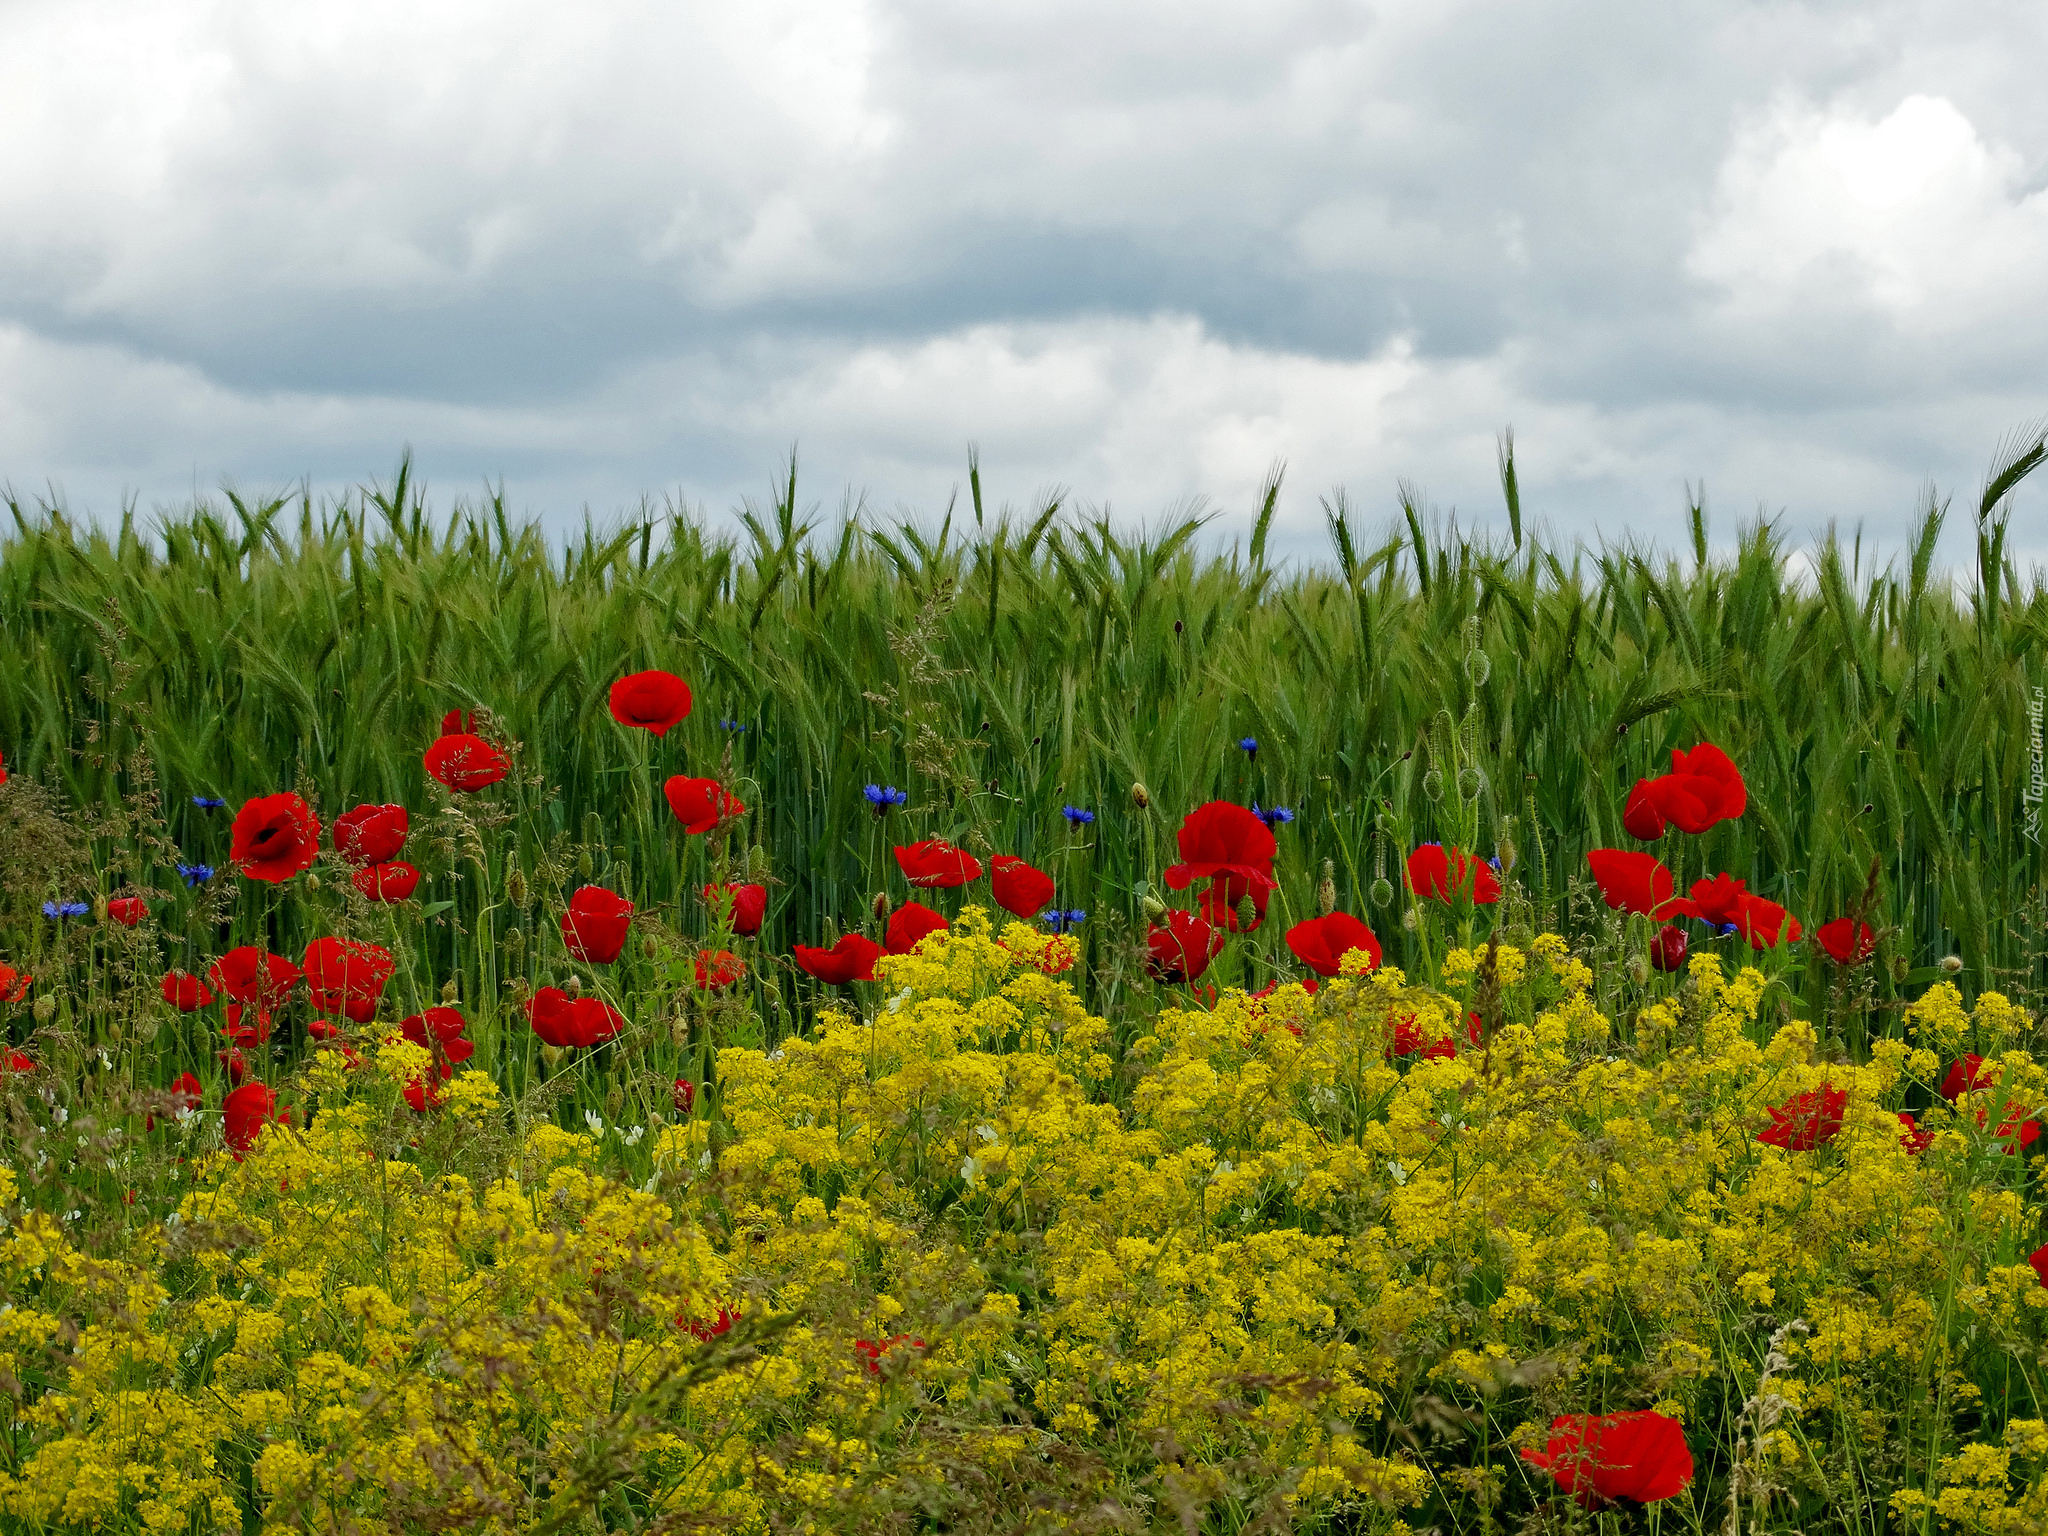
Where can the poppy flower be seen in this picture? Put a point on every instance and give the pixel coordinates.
(652, 701)
(1843, 947)
(743, 906)
(936, 864)
(710, 1330)
(909, 923)
(371, 834)
(2018, 1134)
(13, 984)
(700, 804)
(1640, 1456)
(1806, 1120)
(1019, 888)
(14, 1061)
(594, 927)
(1911, 1137)
(1222, 902)
(1763, 923)
(1321, 943)
(1407, 1040)
(718, 968)
(184, 1096)
(185, 992)
(561, 1020)
(441, 1029)
(387, 882)
(244, 1113)
(3, 768)
(851, 959)
(458, 722)
(1718, 901)
(1181, 948)
(466, 763)
(1277, 983)
(2039, 1259)
(683, 1093)
(248, 975)
(347, 976)
(874, 1351)
(1222, 838)
(548, 1012)
(324, 1029)
(275, 837)
(232, 1060)
(1966, 1076)
(1445, 873)
(1703, 789)
(593, 1021)
(127, 910)
(1667, 949)
(1631, 881)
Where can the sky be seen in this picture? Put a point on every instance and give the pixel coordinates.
(1135, 252)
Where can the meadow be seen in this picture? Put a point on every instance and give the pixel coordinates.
(1370, 1104)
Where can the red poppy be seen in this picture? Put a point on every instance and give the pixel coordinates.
(1181, 948)
(910, 923)
(1642, 816)
(1763, 923)
(851, 959)
(1806, 1120)
(718, 968)
(387, 882)
(3, 767)
(1640, 1456)
(236, 1064)
(748, 905)
(1321, 943)
(1019, 888)
(1407, 1040)
(1309, 986)
(1966, 1076)
(2018, 1134)
(700, 804)
(245, 1112)
(275, 837)
(347, 976)
(1222, 903)
(184, 1095)
(572, 1022)
(718, 1325)
(653, 701)
(441, 1028)
(371, 834)
(1843, 947)
(1718, 900)
(874, 1351)
(1630, 881)
(458, 722)
(683, 1094)
(1703, 788)
(466, 763)
(127, 910)
(2039, 1259)
(13, 984)
(936, 864)
(1667, 949)
(14, 1061)
(1222, 838)
(185, 992)
(594, 927)
(1911, 1137)
(1445, 873)
(250, 975)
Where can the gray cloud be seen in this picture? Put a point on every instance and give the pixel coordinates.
(1800, 252)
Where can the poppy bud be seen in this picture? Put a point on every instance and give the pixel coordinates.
(1638, 969)
(1409, 920)
(757, 863)
(554, 1054)
(1155, 909)
(1247, 915)
(1326, 890)
(573, 986)
(312, 882)
(515, 940)
(449, 991)
(881, 906)
(44, 1008)
(1468, 783)
(1507, 853)
(614, 1102)
(1382, 891)
(1901, 969)
(1141, 797)
(649, 947)
(1951, 964)
(99, 909)
(586, 866)
(1478, 667)
(515, 886)
(1433, 784)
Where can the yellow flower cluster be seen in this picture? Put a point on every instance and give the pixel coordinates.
(1323, 1255)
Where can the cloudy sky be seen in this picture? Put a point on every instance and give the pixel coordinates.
(1138, 250)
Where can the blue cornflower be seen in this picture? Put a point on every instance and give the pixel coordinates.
(207, 802)
(882, 796)
(55, 910)
(1724, 930)
(1076, 815)
(195, 874)
(1250, 744)
(1062, 921)
(1274, 816)
(733, 725)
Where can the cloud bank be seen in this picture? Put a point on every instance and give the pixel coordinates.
(1797, 252)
